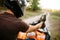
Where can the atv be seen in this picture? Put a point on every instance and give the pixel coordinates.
(39, 34)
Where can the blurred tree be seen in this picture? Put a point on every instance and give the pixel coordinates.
(28, 0)
(34, 5)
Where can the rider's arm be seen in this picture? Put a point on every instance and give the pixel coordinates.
(32, 28)
(28, 28)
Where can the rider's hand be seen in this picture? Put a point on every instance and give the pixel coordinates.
(43, 25)
(43, 18)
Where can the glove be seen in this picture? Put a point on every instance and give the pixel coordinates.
(43, 25)
(43, 18)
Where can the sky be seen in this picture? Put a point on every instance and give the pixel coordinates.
(50, 4)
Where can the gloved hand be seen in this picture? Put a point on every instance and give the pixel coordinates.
(43, 18)
(43, 25)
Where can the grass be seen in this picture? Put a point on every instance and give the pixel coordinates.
(28, 13)
(55, 26)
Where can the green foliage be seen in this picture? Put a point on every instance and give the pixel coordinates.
(34, 5)
(57, 13)
(1, 3)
